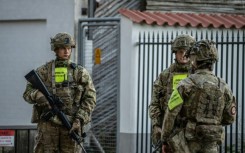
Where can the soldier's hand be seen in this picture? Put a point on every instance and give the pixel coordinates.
(76, 126)
(164, 148)
(41, 100)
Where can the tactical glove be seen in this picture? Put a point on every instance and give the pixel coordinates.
(41, 100)
(76, 126)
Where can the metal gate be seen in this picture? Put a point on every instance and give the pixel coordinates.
(155, 55)
(99, 42)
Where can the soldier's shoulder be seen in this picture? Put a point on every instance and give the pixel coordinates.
(45, 66)
(224, 85)
(194, 77)
(187, 80)
(81, 69)
(190, 81)
(165, 72)
(222, 81)
(163, 76)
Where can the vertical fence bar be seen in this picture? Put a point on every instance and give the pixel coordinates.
(232, 56)
(226, 78)
(206, 37)
(138, 95)
(216, 44)
(222, 53)
(243, 74)
(221, 64)
(237, 85)
(201, 37)
(171, 56)
(147, 85)
(167, 57)
(143, 95)
(157, 59)
(162, 50)
(196, 36)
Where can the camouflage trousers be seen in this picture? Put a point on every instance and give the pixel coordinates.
(203, 147)
(53, 138)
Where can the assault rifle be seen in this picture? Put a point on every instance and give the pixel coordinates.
(157, 147)
(55, 104)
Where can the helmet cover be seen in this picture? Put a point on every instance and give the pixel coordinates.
(184, 41)
(62, 40)
(204, 51)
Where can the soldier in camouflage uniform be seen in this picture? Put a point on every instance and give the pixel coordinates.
(203, 102)
(166, 81)
(73, 85)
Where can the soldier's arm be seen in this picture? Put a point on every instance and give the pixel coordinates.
(184, 89)
(30, 93)
(168, 122)
(229, 113)
(88, 98)
(155, 109)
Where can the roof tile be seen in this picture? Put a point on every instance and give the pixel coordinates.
(185, 19)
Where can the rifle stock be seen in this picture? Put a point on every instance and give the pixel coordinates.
(54, 102)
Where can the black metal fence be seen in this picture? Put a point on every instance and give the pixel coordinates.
(154, 55)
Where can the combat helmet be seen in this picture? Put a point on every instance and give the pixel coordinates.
(204, 50)
(182, 41)
(203, 54)
(62, 40)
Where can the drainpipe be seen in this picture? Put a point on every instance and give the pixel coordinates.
(91, 8)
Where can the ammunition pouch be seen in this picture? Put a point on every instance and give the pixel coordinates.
(210, 133)
(190, 130)
(193, 131)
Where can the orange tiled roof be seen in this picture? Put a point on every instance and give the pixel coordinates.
(185, 19)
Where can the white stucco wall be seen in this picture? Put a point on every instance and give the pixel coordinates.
(25, 30)
(127, 79)
(127, 90)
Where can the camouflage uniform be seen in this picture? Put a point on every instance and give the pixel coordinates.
(163, 86)
(206, 104)
(79, 97)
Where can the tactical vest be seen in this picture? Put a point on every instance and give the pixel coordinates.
(204, 110)
(69, 91)
(174, 69)
(207, 103)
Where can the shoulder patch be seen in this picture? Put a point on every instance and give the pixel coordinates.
(233, 110)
